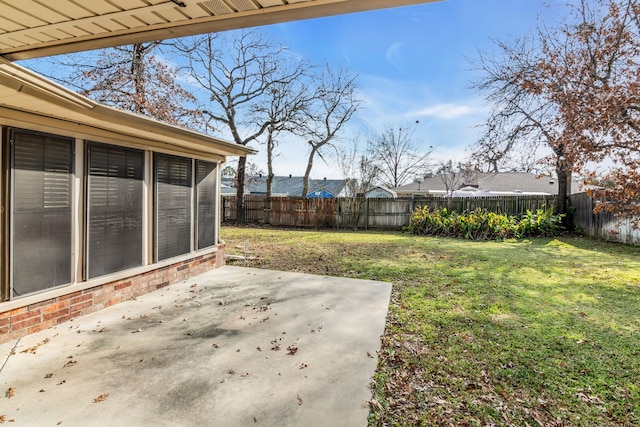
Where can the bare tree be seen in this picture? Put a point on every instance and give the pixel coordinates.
(133, 78)
(452, 176)
(399, 155)
(286, 102)
(240, 71)
(333, 103)
(360, 172)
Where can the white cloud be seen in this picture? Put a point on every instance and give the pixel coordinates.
(445, 111)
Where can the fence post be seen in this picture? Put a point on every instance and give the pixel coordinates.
(224, 208)
(366, 213)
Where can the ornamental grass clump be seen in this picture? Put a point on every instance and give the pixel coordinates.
(481, 224)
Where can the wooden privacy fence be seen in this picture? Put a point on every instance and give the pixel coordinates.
(346, 212)
(603, 225)
(283, 211)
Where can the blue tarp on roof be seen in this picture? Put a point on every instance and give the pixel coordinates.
(320, 194)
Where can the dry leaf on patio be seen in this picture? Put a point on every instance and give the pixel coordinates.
(101, 398)
(299, 399)
(10, 392)
(70, 363)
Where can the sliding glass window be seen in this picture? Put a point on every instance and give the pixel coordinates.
(41, 211)
(174, 182)
(114, 201)
(206, 201)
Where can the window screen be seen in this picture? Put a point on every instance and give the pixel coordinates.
(114, 200)
(206, 200)
(173, 206)
(41, 211)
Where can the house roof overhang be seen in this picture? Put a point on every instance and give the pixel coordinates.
(32, 28)
(25, 94)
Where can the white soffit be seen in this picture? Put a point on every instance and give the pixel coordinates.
(35, 28)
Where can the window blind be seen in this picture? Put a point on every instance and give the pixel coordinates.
(41, 215)
(114, 201)
(173, 205)
(206, 202)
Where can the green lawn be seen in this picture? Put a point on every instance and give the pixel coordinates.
(532, 332)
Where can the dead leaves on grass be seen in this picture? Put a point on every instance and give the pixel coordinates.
(412, 395)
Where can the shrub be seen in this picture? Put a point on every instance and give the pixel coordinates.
(481, 224)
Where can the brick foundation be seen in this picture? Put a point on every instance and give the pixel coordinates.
(35, 317)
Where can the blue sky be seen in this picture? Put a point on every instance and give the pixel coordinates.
(413, 64)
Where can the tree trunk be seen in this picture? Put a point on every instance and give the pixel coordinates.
(564, 177)
(270, 145)
(269, 163)
(137, 70)
(305, 180)
(240, 218)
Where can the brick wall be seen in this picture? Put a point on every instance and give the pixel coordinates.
(32, 318)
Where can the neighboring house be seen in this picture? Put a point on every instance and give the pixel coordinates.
(381, 193)
(292, 186)
(470, 192)
(99, 205)
(496, 184)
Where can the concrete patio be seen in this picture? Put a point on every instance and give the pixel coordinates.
(232, 347)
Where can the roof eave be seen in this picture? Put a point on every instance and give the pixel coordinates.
(168, 30)
(60, 103)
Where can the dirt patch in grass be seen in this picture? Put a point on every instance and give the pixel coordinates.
(533, 332)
